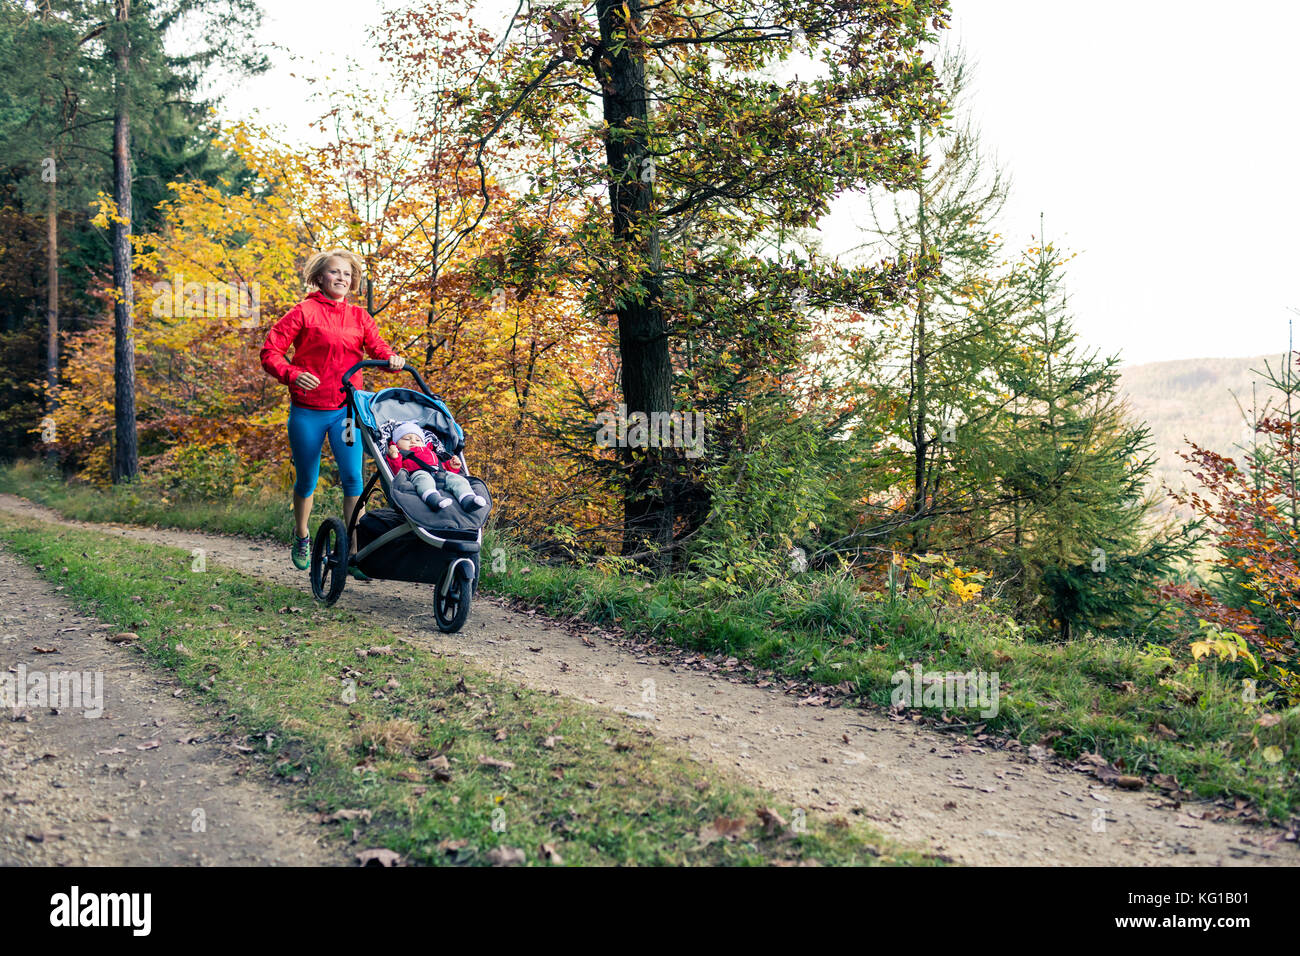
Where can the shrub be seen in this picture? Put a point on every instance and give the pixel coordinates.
(207, 473)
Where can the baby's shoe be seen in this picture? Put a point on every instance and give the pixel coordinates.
(472, 502)
(436, 503)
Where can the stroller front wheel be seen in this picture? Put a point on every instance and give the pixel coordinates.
(329, 560)
(451, 608)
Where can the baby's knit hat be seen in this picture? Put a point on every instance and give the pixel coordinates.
(406, 428)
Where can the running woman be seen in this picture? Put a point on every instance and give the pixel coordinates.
(328, 336)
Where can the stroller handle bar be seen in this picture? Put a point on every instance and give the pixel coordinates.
(383, 363)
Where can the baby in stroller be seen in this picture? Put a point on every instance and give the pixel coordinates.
(430, 466)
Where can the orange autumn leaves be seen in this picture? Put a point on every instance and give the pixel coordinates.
(225, 266)
(1253, 510)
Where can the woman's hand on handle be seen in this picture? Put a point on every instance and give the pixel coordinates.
(306, 381)
(396, 362)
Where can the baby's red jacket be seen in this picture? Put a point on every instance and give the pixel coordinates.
(422, 452)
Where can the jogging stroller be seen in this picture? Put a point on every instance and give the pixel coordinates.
(409, 541)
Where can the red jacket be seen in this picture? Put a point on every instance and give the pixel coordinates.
(425, 454)
(328, 338)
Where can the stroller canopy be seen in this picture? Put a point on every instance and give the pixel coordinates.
(408, 405)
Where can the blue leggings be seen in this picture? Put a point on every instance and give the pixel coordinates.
(307, 430)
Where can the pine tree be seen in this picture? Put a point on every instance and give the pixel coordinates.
(943, 351)
(1074, 468)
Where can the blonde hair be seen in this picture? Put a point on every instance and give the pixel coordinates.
(319, 261)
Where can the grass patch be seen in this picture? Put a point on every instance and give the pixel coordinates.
(260, 512)
(1091, 695)
(450, 762)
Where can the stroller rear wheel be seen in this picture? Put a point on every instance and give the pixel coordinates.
(451, 609)
(329, 560)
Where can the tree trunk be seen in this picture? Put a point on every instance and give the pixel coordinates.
(921, 444)
(48, 434)
(647, 373)
(52, 303)
(126, 456)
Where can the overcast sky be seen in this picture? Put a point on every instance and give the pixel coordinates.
(1157, 138)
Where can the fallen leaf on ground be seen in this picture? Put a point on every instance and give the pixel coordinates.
(378, 857)
(505, 856)
(149, 744)
(486, 761)
(337, 815)
(550, 855)
(1107, 774)
(451, 846)
(45, 650)
(1165, 781)
(719, 828)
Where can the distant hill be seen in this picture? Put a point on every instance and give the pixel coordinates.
(1193, 398)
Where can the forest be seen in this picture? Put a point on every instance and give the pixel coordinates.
(596, 236)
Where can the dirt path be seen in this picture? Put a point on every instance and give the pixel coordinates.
(916, 785)
(137, 782)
